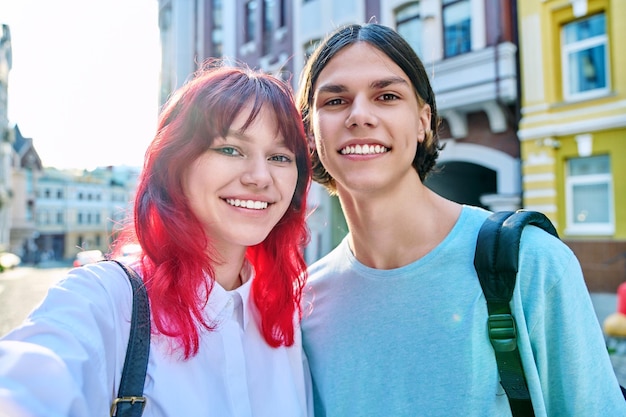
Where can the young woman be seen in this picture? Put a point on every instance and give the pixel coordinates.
(220, 217)
(397, 324)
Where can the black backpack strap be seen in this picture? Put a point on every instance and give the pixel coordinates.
(496, 263)
(130, 401)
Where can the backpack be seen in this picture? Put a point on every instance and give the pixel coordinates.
(496, 263)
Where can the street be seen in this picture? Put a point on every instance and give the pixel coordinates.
(21, 289)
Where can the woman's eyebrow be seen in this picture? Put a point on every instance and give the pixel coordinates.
(239, 135)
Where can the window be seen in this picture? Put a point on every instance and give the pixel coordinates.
(457, 37)
(585, 66)
(30, 210)
(268, 25)
(589, 193)
(282, 13)
(409, 25)
(250, 21)
(216, 34)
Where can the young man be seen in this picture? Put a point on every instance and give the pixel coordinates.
(397, 318)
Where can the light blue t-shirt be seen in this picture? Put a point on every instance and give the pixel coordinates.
(413, 341)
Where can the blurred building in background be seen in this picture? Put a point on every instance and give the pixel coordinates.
(6, 138)
(573, 127)
(48, 214)
(81, 210)
(26, 168)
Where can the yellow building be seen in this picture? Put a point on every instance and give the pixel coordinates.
(573, 127)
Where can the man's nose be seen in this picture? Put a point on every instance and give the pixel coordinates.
(361, 113)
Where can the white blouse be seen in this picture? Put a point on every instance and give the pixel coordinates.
(66, 359)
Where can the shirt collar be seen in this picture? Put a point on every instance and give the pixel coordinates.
(235, 304)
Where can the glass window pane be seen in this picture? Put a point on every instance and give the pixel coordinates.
(412, 31)
(587, 69)
(585, 29)
(457, 21)
(409, 26)
(590, 203)
(408, 12)
(589, 166)
(250, 21)
(456, 13)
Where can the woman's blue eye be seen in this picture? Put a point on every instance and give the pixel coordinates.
(228, 150)
(280, 158)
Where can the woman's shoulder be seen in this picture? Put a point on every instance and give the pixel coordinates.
(105, 276)
(99, 291)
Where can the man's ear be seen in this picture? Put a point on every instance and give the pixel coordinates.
(311, 140)
(425, 115)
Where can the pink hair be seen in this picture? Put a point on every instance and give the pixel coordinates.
(174, 258)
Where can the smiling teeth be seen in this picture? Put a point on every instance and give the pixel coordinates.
(364, 150)
(249, 204)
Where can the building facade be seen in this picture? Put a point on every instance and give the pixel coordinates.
(257, 33)
(81, 210)
(26, 169)
(573, 128)
(6, 139)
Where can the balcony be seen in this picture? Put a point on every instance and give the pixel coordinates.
(483, 80)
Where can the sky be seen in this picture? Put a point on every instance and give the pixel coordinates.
(85, 78)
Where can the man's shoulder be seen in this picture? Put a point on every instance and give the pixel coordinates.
(330, 264)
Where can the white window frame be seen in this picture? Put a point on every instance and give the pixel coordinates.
(586, 229)
(578, 46)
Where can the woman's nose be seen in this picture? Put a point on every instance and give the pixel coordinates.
(257, 173)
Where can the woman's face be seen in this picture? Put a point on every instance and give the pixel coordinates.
(242, 185)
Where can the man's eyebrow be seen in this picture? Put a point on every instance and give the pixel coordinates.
(332, 88)
(377, 84)
(385, 82)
